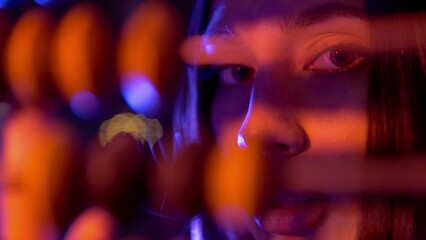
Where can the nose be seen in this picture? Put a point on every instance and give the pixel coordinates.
(273, 126)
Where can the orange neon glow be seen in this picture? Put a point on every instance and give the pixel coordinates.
(26, 56)
(93, 224)
(36, 159)
(149, 42)
(234, 180)
(81, 50)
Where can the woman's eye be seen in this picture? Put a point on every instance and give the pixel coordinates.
(337, 60)
(233, 74)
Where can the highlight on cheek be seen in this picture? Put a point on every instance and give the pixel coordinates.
(331, 134)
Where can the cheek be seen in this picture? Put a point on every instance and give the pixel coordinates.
(337, 123)
(343, 132)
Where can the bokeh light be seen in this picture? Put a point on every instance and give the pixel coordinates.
(27, 54)
(233, 182)
(85, 104)
(37, 159)
(10, 3)
(147, 53)
(94, 223)
(140, 94)
(196, 228)
(81, 52)
(43, 2)
(52, 3)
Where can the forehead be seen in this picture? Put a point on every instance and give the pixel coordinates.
(229, 12)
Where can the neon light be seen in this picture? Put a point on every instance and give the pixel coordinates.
(43, 3)
(196, 228)
(84, 104)
(140, 94)
(10, 3)
(241, 142)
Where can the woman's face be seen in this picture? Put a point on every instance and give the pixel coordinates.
(293, 77)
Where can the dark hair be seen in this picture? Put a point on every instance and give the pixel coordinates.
(396, 112)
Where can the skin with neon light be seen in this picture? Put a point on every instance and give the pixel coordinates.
(291, 76)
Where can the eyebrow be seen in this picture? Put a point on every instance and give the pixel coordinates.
(321, 13)
(307, 17)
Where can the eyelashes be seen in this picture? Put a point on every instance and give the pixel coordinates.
(227, 74)
(336, 59)
(233, 74)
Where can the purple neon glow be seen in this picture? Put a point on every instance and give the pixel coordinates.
(85, 105)
(10, 3)
(140, 94)
(43, 2)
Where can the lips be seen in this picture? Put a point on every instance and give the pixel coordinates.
(294, 214)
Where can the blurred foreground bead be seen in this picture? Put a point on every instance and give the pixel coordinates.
(147, 56)
(139, 127)
(93, 224)
(115, 176)
(27, 55)
(82, 59)
(38, 160)
(176, 184)
(140, 94)
(85, 104)
(233, 186)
